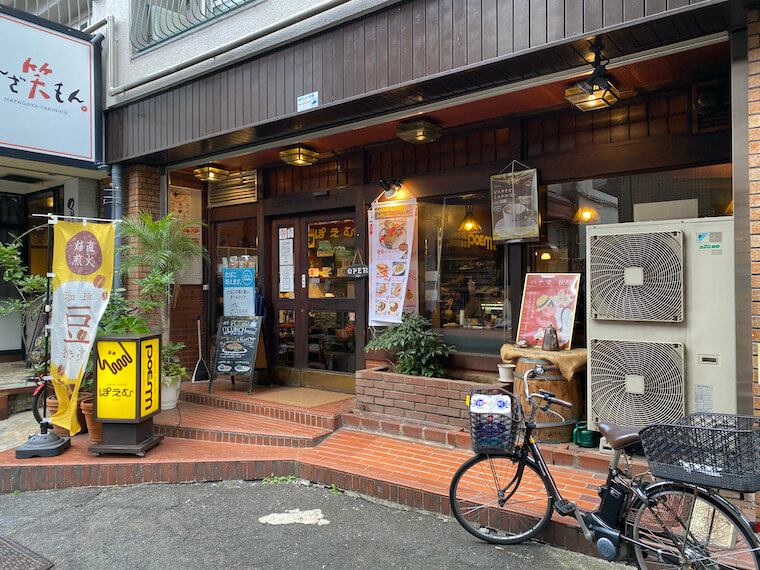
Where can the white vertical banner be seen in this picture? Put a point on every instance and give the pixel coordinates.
(392, 230)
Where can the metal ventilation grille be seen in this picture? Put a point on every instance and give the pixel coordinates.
(239, 188)
(636, 383)
(637, 277)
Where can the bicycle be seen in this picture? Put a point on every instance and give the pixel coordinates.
(506, 495)
(42, 392)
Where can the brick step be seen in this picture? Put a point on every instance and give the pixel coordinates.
(566, 454)
(225, 397)
(204, 423)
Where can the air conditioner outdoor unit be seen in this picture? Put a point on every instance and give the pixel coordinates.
(660, 320)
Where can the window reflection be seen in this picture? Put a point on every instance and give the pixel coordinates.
(332, 343)
(331, 250)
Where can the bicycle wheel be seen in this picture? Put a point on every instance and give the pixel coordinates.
(492, 505)
(38, 404)
(688, 528)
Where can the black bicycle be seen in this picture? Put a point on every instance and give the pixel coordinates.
(506, 495)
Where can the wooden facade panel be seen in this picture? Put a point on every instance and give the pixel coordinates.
(381, 50)
(521, 30)
(505, 28)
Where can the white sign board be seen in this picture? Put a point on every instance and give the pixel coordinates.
(308, 101)
(47, 91)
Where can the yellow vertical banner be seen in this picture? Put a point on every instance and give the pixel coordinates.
(81, 286)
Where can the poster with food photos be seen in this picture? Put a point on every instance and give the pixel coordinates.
(392, 230)
(549, 299)
(187, 205)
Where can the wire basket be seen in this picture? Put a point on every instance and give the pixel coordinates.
(494, 420)
(712, 450)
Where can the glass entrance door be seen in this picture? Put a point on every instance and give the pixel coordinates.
(316, 301)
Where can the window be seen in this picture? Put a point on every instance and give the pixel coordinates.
(463, 276)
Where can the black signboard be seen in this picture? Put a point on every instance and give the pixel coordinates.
(357, 271)
(237, 342)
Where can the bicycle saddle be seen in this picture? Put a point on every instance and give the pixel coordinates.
(618, 436)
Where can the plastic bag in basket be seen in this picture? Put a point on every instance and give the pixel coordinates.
(491, 404)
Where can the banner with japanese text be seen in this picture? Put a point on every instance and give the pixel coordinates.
(392, 255)
(81, 286)
(549, 299)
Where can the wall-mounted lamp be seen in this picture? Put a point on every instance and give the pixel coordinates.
(596, 91)
(299, 156)
(211, 173)
(391, 188)
(586, 214)
(469, 222)
(419, 131)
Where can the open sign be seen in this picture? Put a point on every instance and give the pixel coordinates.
(357, 271)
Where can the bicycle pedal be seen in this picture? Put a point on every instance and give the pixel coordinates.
(565, 507)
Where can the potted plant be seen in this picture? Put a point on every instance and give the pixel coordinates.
(172, 376)
(163, 248)
(416, 349)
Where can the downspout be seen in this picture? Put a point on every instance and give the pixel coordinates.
(116, 215)
(229, 46)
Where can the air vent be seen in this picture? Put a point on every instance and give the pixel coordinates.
(239, 188)
(637, 276)
(636, 383)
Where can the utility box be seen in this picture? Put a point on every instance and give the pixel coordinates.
(127, 392)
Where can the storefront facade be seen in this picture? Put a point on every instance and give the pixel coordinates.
(676, 144)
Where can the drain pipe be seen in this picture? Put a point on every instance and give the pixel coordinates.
(229, 46)
(116, 215)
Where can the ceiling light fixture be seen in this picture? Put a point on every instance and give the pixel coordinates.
(470, 223)
(391, 187)
(211, 173)
(299, 156)
(596, 91)
(419, 131)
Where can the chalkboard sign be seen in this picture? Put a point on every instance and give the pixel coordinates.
(237, 342)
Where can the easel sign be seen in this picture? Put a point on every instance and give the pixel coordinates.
(548, 299)
(237, 342)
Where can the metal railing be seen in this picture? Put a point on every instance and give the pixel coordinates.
(71, 13)
(154, 21)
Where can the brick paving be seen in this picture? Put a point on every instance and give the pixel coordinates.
(231, 435)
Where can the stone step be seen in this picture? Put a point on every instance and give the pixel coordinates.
(205, 423)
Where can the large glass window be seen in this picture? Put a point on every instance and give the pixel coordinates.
(465, 289)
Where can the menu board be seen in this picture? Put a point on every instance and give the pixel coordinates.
(237, 342)
(391, 235)
(548, 299)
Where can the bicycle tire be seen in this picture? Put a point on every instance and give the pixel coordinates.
(474, 499)
(703, 531)
(38, 403)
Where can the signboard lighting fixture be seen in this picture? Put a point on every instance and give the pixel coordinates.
(596, 91)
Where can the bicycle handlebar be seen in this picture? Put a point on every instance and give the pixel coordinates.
(545, 395)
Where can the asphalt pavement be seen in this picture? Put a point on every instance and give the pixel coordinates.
(231, 524)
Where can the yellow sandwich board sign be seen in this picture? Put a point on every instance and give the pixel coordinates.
(127, 377)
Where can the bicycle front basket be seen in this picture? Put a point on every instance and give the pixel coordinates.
(494, 420)
(712, 450)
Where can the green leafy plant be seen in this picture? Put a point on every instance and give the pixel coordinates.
(334, 490)
(172, 371)
(163, 248)
(417, 349)
(277, 480)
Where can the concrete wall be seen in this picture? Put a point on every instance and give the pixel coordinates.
(129, 65)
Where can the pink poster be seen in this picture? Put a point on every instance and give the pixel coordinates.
(548, 299)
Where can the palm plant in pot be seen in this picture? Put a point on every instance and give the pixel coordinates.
(163, 248)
